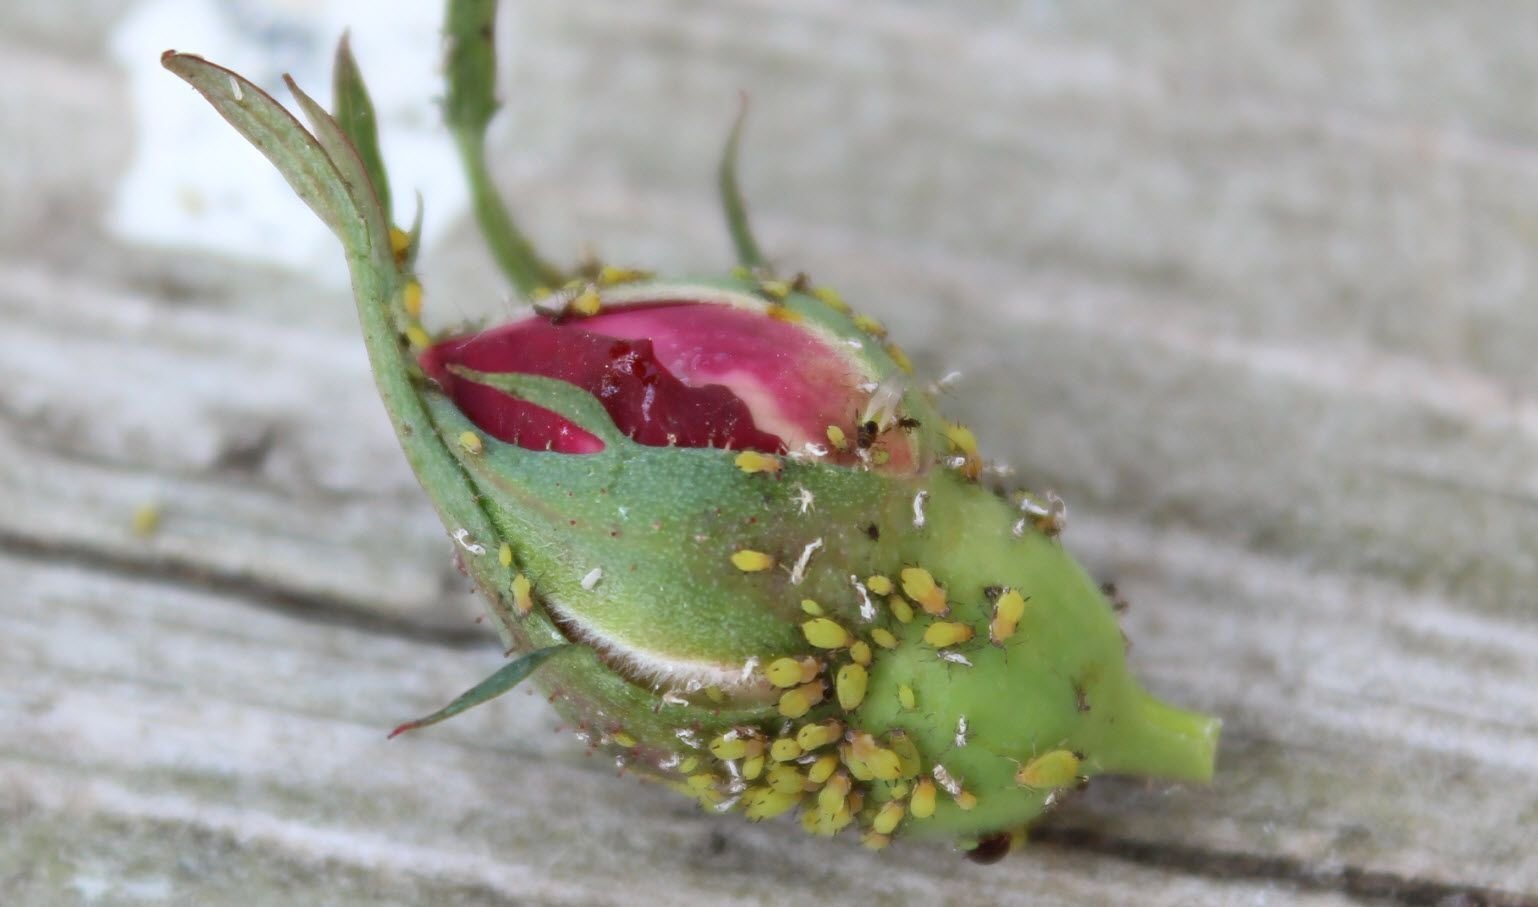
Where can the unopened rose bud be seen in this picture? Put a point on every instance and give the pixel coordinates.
(721, 524)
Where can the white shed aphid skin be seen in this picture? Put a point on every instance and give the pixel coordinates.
(591, 579)
(946, 780)
(919, 520)
(867, 607)
(462, 536)
(944, 383)
(961, 730)
(885, 401)
(798, 571)
(955, 658)
(805, 499)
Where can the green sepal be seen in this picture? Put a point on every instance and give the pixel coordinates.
(732, 204)
(471, 70)
(355, 114)
(504, 679)
(317, 176)
(560, 397)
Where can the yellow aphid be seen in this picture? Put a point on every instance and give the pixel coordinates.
(411, 298)
(907, 752)
(786, 779)
(689, 765)
(702, 781)
(837, 438)
(964, 441)
(812, 736)
(609, 275)
(729, 746)
(782, 313)
(859, 652)
(879, 584)
(900, 609)
(622, 739)
(966, 800)
(944, 633)
(749, 561)
(920, 585)
(830, 296)
(888, 816)
(831, 798)
(851, 685)
(714, 694)
(417, 337)
(899, 357)
(470, 442)
(875, 840)
(1057, 768)
(826, 825)
(778, 289)
(883, 637)
(710, 797)
(523, 602)
(922, 804)
(785, 749)
(856, 765)
(784, 672)
(541, 293)
(752, 461)
(796, 703)
(587, 303)
(870, 325)
(146, 519)
(400, 242)
(1007, 612)
(811, 607)
(752, 767)
(961, 438)
(905, 697)
(826, 633)
(883, 764)
(767, 802)
(822, 769)
(505, 555)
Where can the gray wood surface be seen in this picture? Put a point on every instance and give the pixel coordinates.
(1251, 285)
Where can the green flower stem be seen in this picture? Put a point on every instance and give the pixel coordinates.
(1154, 738)
(468, 107)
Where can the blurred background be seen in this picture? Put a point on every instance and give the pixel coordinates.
(1250, 285)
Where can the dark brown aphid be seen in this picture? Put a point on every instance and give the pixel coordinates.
(991, 849)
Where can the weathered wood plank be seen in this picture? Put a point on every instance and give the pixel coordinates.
(258, 748)
(1266, 280)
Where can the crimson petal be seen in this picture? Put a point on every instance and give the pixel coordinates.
(646, 401)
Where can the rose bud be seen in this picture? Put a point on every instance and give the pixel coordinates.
(723, 526)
